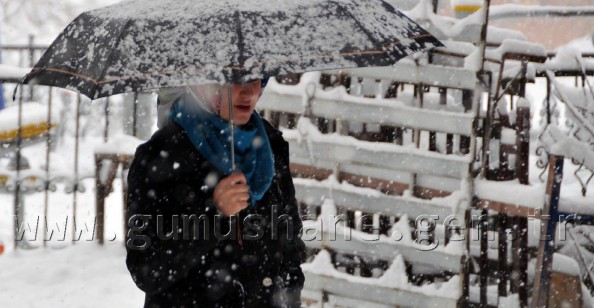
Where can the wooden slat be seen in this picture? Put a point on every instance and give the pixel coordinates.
(510, 209)
(341, 301)
(383, 250)
(375, 292)
(431, 75)
(310, 297)
(386, 186)
(372, 112)
(372, 203)
(410, 160)
(323, 169)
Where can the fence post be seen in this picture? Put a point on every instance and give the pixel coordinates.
(483, 226)
(106, 131)
(31, 62)
(76, 175)
(550, 213)
(522, 140)
(1, 85)
(100, 195)
(467, 103)
(522, 163)
(502, 247)
(18, 204)
(137, 114)
(48, 145)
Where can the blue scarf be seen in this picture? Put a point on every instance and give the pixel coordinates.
(211, 137)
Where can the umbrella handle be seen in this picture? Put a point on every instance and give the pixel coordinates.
(231, 127)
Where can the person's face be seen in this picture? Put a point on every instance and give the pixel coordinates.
(243, 97)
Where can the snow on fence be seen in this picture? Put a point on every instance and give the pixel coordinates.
(347, 240)
(377, 160)
(383, 99)
(575, 141)
(338, 105)
(389, 290)
(390, 104)
(420, 111)
(409, 72)
(580, 106)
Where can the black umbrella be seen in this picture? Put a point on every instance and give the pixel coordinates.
(141, 45)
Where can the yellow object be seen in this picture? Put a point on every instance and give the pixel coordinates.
(467, 8)
(3, 180)
(28, 131)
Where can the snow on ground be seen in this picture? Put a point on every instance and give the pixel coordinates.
(63, 274)
(83, 275)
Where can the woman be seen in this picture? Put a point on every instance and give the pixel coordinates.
(202, 234)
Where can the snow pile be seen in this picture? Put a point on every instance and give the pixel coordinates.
(531, 196)
(465, 29)
(395, 277)
(33, 114)
(579, 104)
(584, 43)
(558, 143)
(516, 47)
(401, 230)
(565, 264)
(119, 144)
(580, 97)
(508, 135)
(512, 300)
(456, 3)
(499, 35)
(84, 275)
(569, 58)
(517, 10)
(329, 226)
(443, 25)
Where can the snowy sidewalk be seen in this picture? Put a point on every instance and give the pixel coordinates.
(80, 275)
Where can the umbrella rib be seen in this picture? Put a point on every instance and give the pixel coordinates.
(72, 73)
(102, 75)
(240, 42)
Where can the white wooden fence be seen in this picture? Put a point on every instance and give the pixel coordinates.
(407, 164)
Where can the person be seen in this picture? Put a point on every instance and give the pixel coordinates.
(200, 233)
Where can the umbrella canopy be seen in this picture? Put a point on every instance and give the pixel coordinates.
(140, 45)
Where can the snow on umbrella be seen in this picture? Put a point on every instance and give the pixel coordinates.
(139, 45)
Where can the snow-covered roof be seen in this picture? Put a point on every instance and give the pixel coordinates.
(119, 144)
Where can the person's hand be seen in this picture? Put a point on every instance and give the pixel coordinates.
(231, 194)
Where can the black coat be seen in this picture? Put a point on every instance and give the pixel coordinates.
(170, 180)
